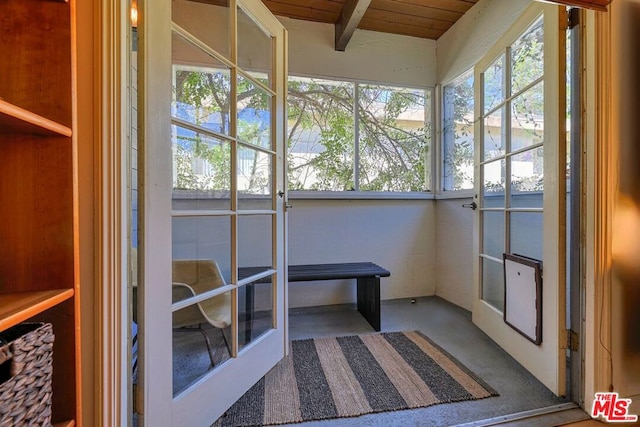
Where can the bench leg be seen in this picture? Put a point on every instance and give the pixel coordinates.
(369, 300)
(248, 314)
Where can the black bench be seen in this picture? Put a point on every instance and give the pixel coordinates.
(367, 274)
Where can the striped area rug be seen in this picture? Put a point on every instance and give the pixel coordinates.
(348, 376)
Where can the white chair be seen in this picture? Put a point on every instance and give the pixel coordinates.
(194, 277)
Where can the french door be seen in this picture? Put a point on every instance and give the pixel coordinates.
(213, 75)
(520, 182)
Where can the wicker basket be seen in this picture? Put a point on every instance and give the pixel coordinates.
(25, 397)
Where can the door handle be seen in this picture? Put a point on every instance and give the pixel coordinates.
(472, 205)
(286, 201)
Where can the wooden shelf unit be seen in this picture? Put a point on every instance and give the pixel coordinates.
(38, 184)
(14, 119)
(20, 306)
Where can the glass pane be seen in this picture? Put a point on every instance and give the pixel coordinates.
(200, 93)
(493, 283)
(320, 134)
(527, 57)
(203, 238)
(201, 339)
(254, 114)
(393, 138)
(494, 138)
(494, 84)
(201, 170)
(527, 118)
(208, 21)
(429, 138)
(255, 243)
(526, 234)
(494, 184)
(255, 310)
(493, 234)
(254, 179)
(255, 47)
(191, 277)
(458, 157)
(527, 179)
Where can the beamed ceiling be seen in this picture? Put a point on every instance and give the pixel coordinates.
(419, 18)
(427, 19)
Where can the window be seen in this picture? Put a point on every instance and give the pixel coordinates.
(201, 161)
(342, 136)
(512, 158)
(352, 136)
(457, 147)
(201, 125)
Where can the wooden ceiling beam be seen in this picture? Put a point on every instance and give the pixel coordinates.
(348, 21)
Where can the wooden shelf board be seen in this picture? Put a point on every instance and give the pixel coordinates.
(70, 423)
(14, 119)
(20, 306)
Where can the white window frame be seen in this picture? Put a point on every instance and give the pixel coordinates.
(442, 193)
(377, 195)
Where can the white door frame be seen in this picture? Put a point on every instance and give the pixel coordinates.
(546, 361)
(203, 402)
(154, 71)
(111, 106)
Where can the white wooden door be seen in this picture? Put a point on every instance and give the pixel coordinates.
(520, 182)
(213, 76)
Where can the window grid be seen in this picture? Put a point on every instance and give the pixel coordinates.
(360, 116)
(506, 105)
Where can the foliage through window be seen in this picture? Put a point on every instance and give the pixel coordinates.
(352, 136)
(458, 151)
(384, 147)
(202, 159)
(514, 106)
(320, 135)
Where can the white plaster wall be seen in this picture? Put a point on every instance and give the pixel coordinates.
(454, 255)
(398, 235)
(370, 56)
(462, 46)
(395, 234)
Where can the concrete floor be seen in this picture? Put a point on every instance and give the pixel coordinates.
(450, 327)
